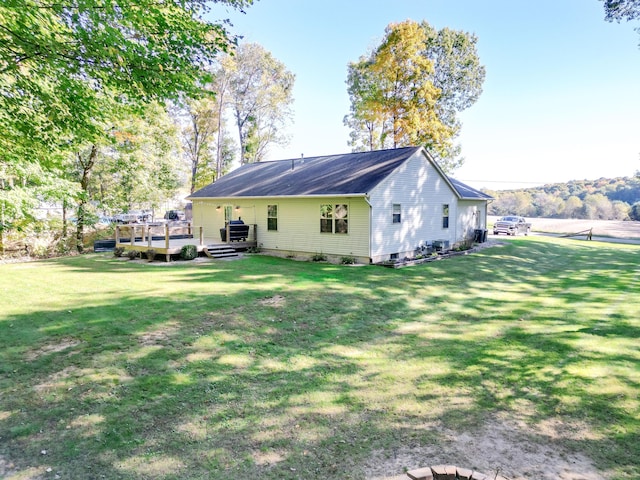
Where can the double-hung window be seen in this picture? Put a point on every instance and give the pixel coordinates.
(334, 218)
(397, 213)
(272, 217)
(445, 215)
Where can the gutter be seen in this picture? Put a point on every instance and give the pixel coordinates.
(240, 197)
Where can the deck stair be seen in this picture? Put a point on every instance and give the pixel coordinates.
(220, 251)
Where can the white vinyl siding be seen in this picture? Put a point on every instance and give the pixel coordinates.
(211, 220)
(471, 215)
(419, 188)
(207, 215)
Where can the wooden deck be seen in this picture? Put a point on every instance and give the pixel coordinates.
(168, 239)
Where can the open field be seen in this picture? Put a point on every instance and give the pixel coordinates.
(604, 228)
(520, 360)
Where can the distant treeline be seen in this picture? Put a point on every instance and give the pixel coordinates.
(602, 199)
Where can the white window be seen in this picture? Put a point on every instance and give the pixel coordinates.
(397, 213)
(445, 215)
(272, 217)
(334, 218)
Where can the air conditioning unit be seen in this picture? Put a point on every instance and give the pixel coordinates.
(425, 248)
(441, 245)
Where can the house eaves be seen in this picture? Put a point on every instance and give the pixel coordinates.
(465, 192)
(346, 195)
(345, 175)
(350, 174)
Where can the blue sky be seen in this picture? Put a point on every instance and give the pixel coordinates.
(561, 98)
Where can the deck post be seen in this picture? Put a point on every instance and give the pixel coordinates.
(117, 234)
(228, 227)
(189, 232)
(132, 229)
(201, 235)
(149, 236)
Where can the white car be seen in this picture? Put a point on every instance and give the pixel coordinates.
(134, 216)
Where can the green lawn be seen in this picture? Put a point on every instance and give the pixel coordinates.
(276, 369)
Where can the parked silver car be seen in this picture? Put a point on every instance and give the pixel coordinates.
(511, 225)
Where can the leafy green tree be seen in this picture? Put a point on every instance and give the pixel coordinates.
(598, 207)
(573, 207)
(621, 210)
(365, 117)
(61, 63)
(201, 122)
(513, 203)
(135, 166)
(547, 205)
(634, 213)
(138, 166)
(257, 90)
(603, 198)
(392, 91)
(459, 76)
(261, 93)
(206, 142)
(409, 90)
(54, 57)
(618, 10)
(224, 144)
(621, 10)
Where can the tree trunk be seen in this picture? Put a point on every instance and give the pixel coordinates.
(219, 142)
(195, 158)
(64, 219)
(86, 166)
(241, 139)
(2, 226)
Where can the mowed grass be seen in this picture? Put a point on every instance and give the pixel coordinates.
(276, 369)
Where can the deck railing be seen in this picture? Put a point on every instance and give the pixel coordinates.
(147, 233)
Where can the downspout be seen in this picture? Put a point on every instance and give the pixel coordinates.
(486, 214)
(366, 199)
(455, 228)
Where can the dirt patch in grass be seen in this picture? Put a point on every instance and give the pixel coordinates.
(49, 348)
(158, 335)
(275, 301)
(503, 450)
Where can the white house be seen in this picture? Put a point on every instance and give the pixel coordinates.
(373, 206)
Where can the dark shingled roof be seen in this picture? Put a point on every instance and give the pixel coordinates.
(468, 193)
(345, 174)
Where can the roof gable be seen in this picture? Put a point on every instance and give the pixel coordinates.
(345, 174)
